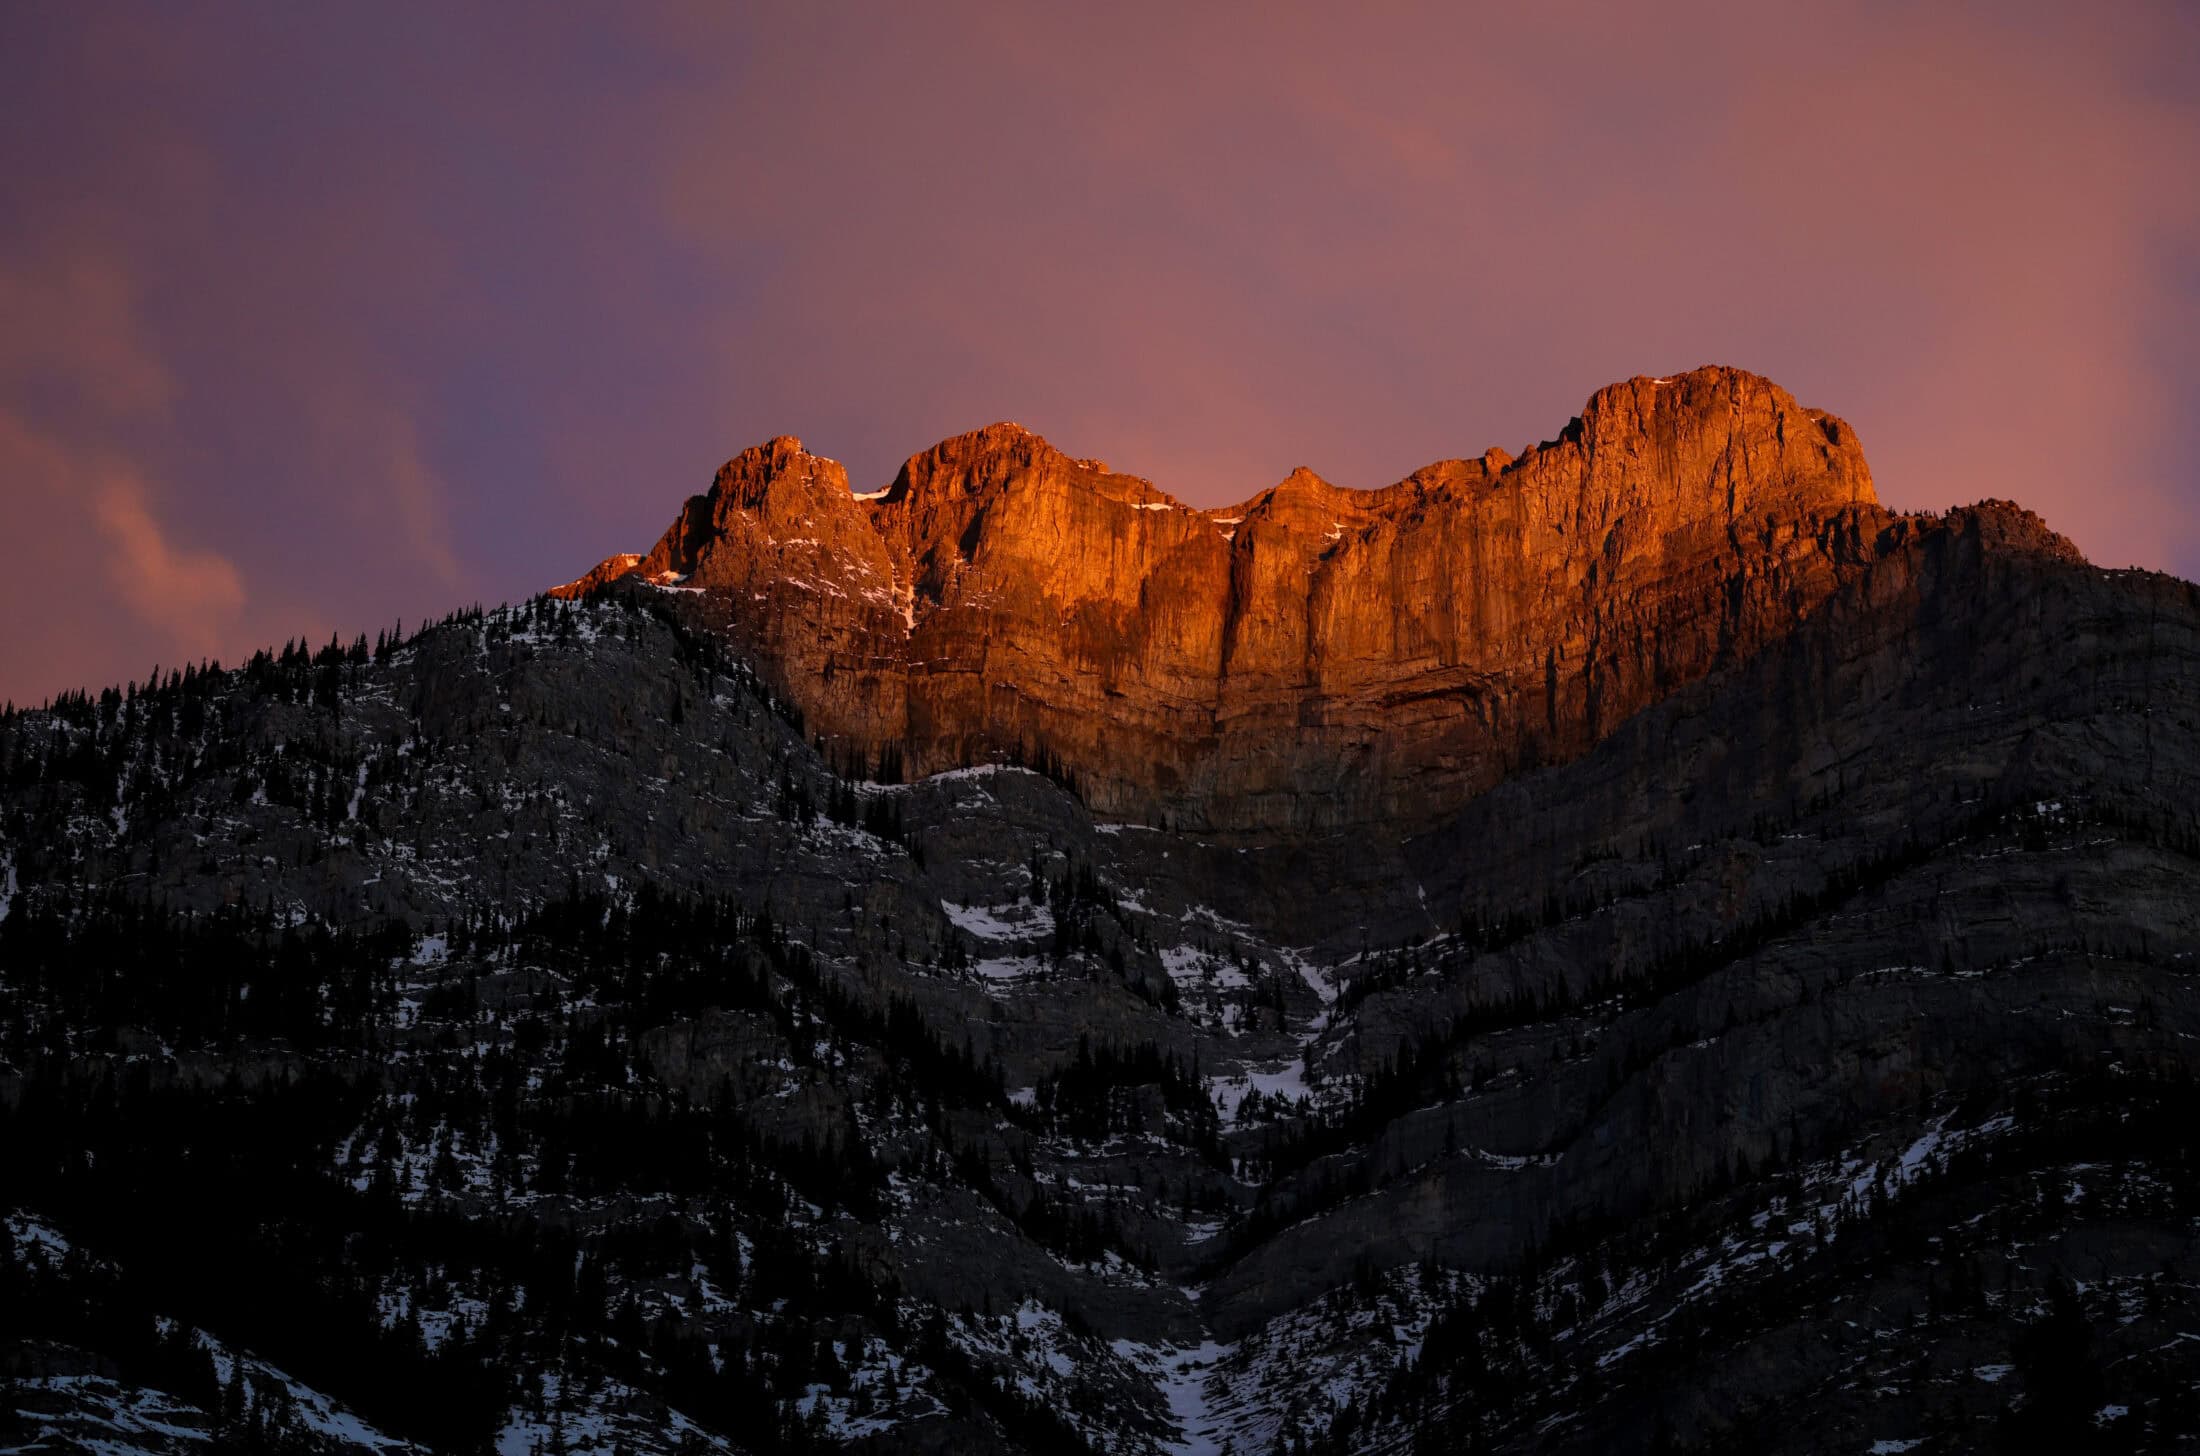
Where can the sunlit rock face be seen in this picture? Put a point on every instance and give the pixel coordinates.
(1314, 658)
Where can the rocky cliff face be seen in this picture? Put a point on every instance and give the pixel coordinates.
(1312, 658)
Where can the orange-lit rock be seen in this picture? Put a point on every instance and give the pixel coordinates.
(1312, 658)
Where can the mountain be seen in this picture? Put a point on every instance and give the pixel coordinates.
(1311, 659)
(1633, 947)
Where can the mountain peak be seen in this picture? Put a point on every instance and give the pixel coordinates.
(1317, 652)
(971, 462)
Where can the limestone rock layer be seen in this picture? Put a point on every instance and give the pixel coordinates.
(1311, 659)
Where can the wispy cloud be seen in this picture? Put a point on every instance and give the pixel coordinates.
(193, 596)
(118, 588)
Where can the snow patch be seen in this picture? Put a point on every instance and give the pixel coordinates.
(28, 1234)
(1185, 1377)
(601, 1420)
(1229, 1092)
(1009, 923)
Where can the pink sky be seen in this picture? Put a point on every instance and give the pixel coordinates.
(322, 316)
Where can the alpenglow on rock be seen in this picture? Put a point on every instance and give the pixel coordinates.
(1310, 659)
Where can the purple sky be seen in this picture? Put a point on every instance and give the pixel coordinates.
(316, 316)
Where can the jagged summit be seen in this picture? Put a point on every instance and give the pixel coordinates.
(1316, 655)
(1670, 414)
(602, 574)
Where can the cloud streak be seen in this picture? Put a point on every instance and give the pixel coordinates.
(114, 576)
(192, 596)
